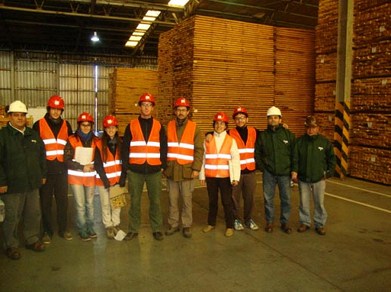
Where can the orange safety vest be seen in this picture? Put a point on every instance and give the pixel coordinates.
(246, 151)
(54, 146)
(141, 151)
(112, 166)
(217, 164)
(79, 177)
(183, 151)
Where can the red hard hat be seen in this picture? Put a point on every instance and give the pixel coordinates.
(56, 101)
(182, 102)
(146, 97)
(221, 116)
(109, 121)
(240, 110)
(85, 117)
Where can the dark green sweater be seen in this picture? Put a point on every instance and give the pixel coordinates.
(22, 160)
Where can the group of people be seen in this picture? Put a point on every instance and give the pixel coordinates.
(37, 164)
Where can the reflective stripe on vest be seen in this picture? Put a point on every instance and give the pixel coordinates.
(54, 147)
(112, 166)
(217, 164)
(246, 151)
(141, 151)
(183, 151)
(79, 177)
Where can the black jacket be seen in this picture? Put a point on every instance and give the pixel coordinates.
(22, 160)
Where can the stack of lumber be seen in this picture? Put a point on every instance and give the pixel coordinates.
(326, 65)
(220, 64)
(126, 86)
(371, 92)
(294, 71)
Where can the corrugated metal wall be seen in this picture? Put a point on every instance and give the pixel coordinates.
(34, 77)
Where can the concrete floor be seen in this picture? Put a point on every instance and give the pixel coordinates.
(355, 255)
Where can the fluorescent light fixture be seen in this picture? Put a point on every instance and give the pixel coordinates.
(135, 38)
(153, 13)
(131, 44)
(95, 38)
(178, 3)
(143, 26)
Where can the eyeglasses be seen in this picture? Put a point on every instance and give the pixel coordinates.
(240, 118)
(86, 125)
(146, 104)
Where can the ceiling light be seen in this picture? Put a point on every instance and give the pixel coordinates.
(153, 13)
(178, 3)
(95, 37)
(143, 26)
(131, 44)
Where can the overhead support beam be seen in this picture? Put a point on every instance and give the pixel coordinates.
(84, 15)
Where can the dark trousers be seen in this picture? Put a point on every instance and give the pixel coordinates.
(213, 187)
(246, 189)
(57, 185)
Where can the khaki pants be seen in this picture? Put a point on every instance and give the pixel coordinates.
(180, 191)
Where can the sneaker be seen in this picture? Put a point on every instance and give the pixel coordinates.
(238, 225)
(320, 230)
(66, 235)
(229, 232)
(208, 228)
(269, 227)
(285, 228)
(172, 230)
(84, 236)
(303, 228)
(110, 232)
(91, 233)
(158, 235)
(251, 224)
(46, 238)
(186, 232)
(36, 246)
(130, 236)
(13, 253)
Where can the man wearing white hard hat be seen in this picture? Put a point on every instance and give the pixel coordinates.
(22, 172)
(274, 151)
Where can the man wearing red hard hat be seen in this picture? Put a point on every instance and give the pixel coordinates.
(54, 132)
(184, 161)
(144, 157)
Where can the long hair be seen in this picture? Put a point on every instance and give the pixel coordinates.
(105, 141)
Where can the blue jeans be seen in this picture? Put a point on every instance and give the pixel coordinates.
(317, 191)
(23, 206)
(84, 203)
(269, 185)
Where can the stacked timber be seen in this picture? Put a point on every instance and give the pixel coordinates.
(294, 81)
(126, 86)
(326, 65)
(371, 92)
(220, 64)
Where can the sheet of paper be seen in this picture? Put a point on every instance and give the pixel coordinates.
(83, 155)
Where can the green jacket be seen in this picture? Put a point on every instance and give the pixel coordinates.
(315, 158)
(274, 151)
(178, 172)
(22, 160)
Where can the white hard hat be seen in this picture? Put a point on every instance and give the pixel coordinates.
(274, 111)
(17, 107)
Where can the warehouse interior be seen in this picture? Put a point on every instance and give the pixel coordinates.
(321, 57)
